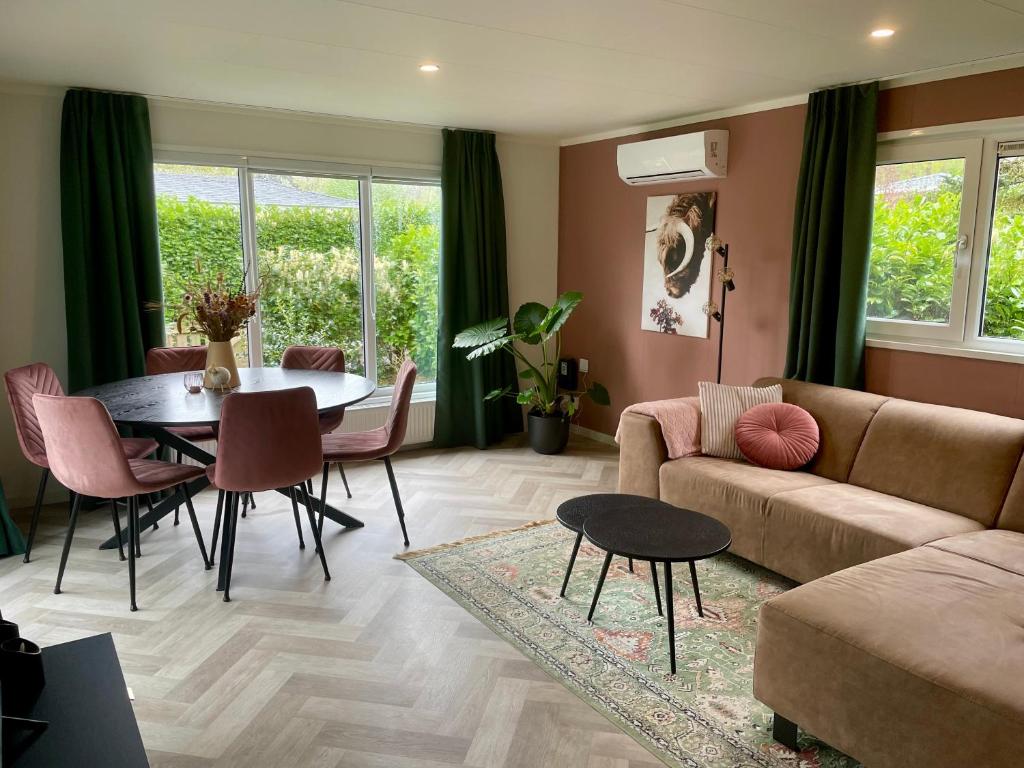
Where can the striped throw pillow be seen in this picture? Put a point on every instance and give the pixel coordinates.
(721, 406)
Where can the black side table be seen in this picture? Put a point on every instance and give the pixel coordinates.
(572, 514)
(652, 530)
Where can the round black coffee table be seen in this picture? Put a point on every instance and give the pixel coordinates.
(652, 530)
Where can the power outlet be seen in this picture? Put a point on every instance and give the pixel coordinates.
(584, 365)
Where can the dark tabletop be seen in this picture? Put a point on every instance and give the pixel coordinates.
(86, 703)
(163, 401)
(648, 529)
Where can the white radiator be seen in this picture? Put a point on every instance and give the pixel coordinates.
(421, 420)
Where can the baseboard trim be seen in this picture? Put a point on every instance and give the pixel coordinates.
(593, 434)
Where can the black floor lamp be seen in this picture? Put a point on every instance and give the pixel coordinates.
(715, 246)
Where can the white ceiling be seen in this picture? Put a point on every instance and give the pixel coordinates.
(556, 68)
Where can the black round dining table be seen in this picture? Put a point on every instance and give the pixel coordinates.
(153, 406)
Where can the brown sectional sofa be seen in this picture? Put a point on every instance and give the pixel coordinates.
(905, 644)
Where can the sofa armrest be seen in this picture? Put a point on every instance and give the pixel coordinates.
(642, 451)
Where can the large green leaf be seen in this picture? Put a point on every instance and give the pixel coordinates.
(491, 346)
(528, 320)
(494, 394)
(527, 396)
(482, 333)
(599, 394)
(560, 311)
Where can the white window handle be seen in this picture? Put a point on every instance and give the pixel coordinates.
(961, 243)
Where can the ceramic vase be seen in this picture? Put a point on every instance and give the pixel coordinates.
(220, 353)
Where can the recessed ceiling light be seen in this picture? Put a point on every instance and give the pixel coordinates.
(883, 32)
(429, 67)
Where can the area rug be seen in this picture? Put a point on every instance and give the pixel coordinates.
(705, 716)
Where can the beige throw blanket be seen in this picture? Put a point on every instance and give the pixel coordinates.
(680, 423)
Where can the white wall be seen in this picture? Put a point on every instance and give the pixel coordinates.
(31, 274)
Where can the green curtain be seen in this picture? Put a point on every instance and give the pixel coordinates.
(832, 238)
(111, 250)
(11, 540)
(472, 288)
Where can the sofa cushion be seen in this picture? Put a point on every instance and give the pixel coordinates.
(1011, 517)
(777, 436)
(912, 660)
(811, 532)
(721, 406)
(958, 460)
(1000, 549)
(731, 491)
(843, 416)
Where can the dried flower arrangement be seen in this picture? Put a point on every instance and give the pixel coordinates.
(215, 310)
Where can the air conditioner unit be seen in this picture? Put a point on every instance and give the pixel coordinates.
(674, 158)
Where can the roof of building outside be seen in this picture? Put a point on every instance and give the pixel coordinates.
(224, 189)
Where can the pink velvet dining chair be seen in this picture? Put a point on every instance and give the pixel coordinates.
(161, 360)
(267, 441)
(381, 443)
(85, 454)
(39, 378)
(319, 359)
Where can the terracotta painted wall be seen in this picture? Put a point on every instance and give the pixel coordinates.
(600, 247)
(601, 224)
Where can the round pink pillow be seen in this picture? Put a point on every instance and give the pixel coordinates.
(777, 436)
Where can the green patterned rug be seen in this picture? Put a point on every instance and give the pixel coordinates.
(705, 716)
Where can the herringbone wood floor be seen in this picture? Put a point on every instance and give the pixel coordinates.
(375, 668)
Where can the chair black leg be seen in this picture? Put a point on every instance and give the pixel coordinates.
(35, 512)
(245, 503)
(341, 471)
(230, 526)
(657, 591)
(195, 525)
(323, 499)
(149, 508)
(316, 533)
(252, 500)
(398, 499)
(138, 533)
(117, 528)
(75, 507)
(600, 585)
(696, 588)
(630, 564)
(177, 460)
(216, 524)
(295, 511)
(785, 732)
(572, 561)
(133, 532)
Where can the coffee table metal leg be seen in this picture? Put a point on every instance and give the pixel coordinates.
(696, 588)
(600, 583)
(572, 560)
(671, 617)
(657, 590)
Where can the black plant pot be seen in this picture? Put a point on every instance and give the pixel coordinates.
(548, 434)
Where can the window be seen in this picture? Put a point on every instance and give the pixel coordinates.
(343, 257)
(947, 246)
(199, 215)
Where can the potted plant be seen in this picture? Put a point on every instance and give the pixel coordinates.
(535, 325)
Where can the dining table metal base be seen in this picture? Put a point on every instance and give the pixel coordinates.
(169, 503)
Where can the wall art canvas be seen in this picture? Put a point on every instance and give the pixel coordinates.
(677, 267)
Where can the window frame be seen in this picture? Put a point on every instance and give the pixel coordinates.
(365, 175)
(962, 337)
